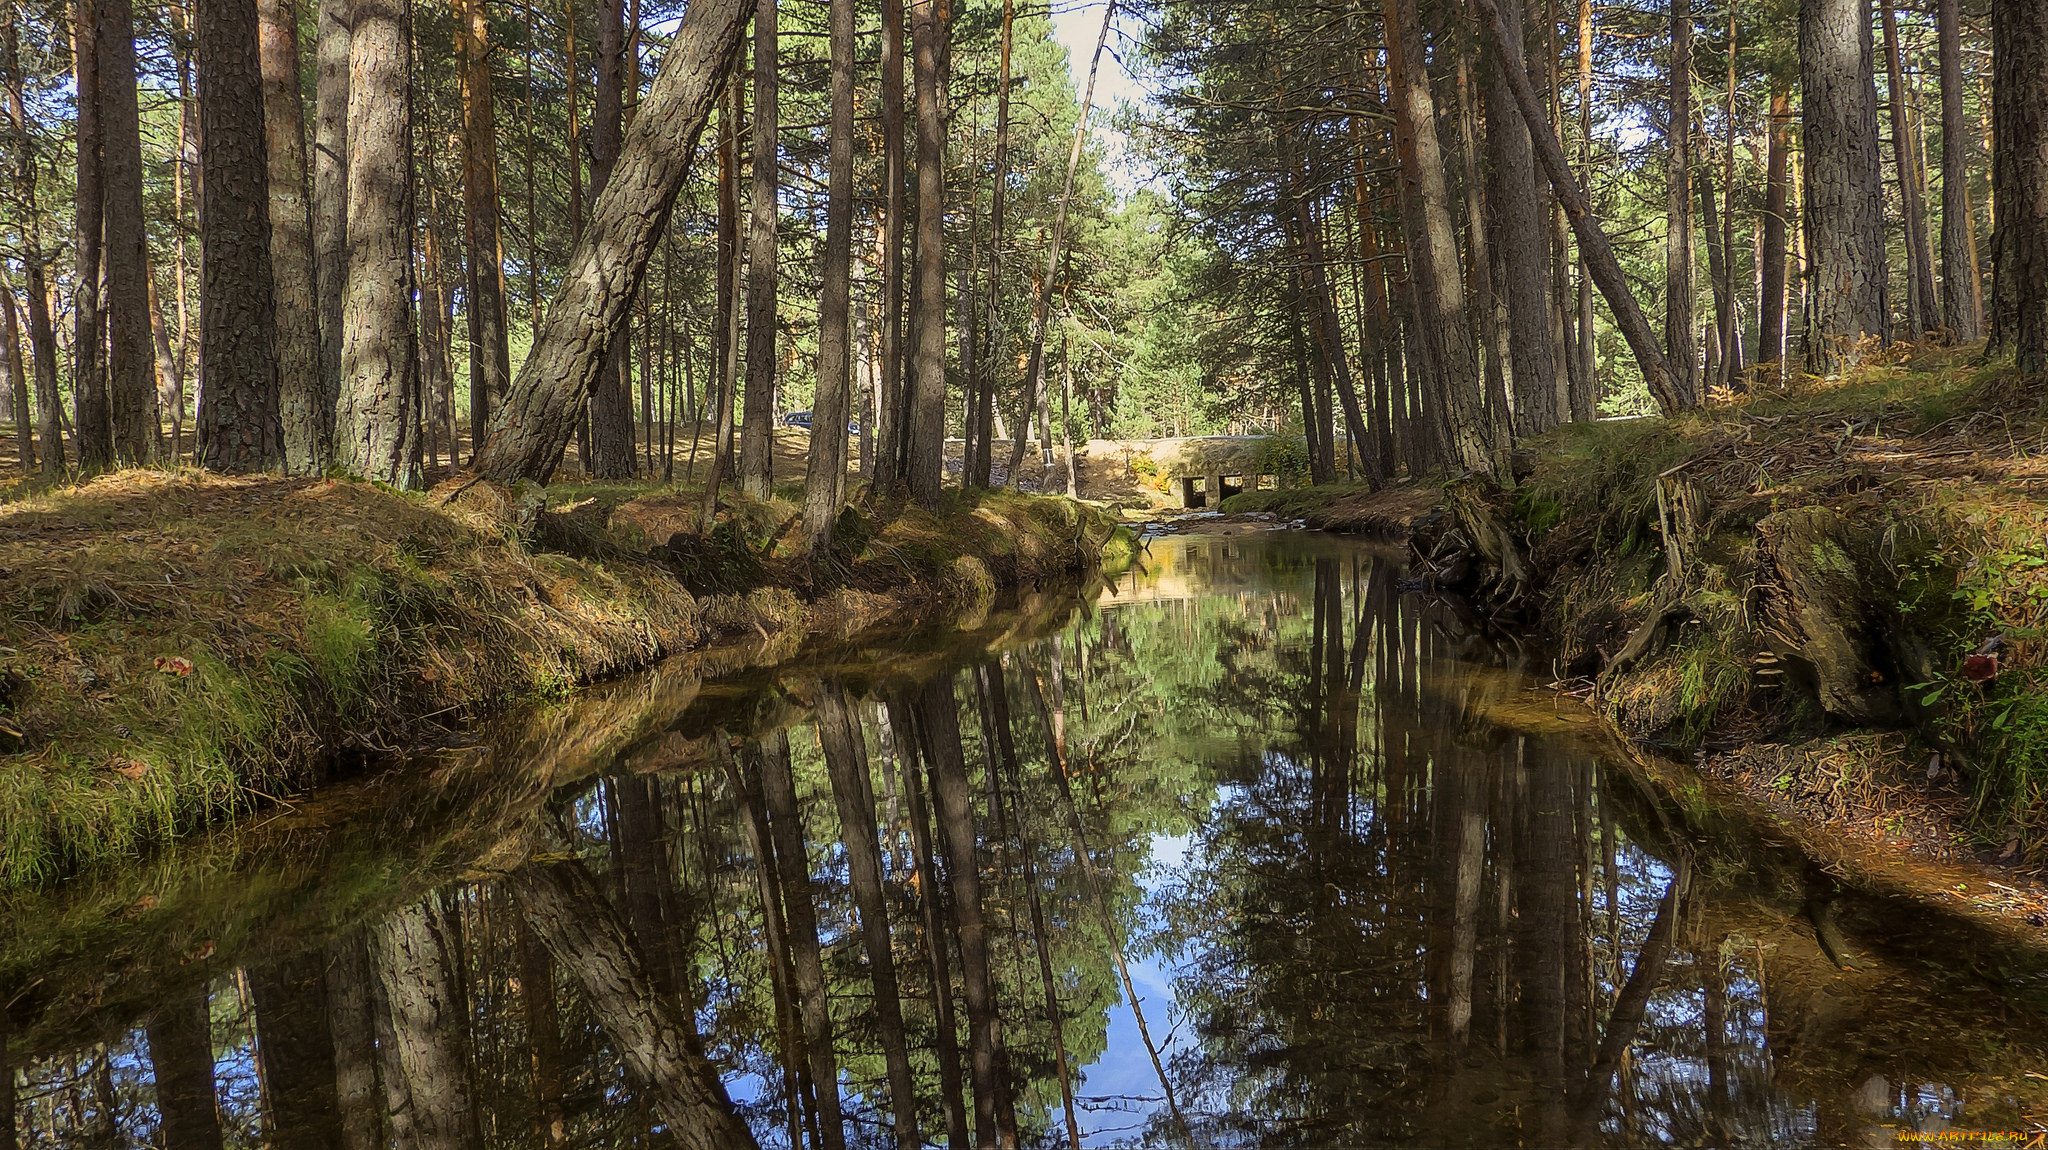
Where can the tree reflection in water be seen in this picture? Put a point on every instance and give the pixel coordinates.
(1259, 848)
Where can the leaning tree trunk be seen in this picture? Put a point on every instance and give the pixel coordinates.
(1960, 312)
(238, 419)
(134, 419)
(2019, 39)
(1844, 187)
(757, 428)
(375, 430)
(656, 1038)
(1593, 244)
(827, 469)
(530, 432)
(302, 401)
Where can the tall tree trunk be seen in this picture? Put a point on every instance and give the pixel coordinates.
(181, 1053)
(1593, 243)
(1459, 420)
(1586, 396)
(42, 340)
(17, 383)
(422, 1025)
(308, 421)
(238, 424)
(904, 721)
(543, 1038)
(656, 1038)
(1679, 350)
(611, 399)
(646, 870)
(1770, 306)
(136, 424)
(1718, 259)
(827, 467)
(1920, 306)
(846, 764)
(170, 379)
(723, 351)
(1034, 364)
(889, 413)
(330, 194)
(757, 430)
(376, 432)
(775, 932)
(1844, 191)
(91, 416)
(982, 461)
(297, 1050)
(924, 457)
(490, 357)
(1960, 312)
(1524, 241)
(2019, 48)
(1727, 309)
(530, 432)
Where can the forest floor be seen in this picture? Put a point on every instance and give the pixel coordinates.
(177, 646)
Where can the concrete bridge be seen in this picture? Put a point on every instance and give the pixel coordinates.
(1202, 470)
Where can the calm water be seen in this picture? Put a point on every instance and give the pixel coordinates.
(1252, 848)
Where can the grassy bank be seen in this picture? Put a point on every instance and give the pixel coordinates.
(177, 646)
(1836, 597)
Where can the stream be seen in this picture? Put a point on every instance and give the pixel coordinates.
(1254, 846)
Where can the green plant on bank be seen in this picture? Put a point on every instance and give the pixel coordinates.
(1284, 455)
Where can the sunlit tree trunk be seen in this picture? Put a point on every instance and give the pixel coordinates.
(238, 424)
(330, 191)
(528, 435)
(42, 339)
(724, 352)
(1844, 191)
(91, 419)
(134, 418)
(1770, 305)
(1921, 311)
(490, 359)
(181, 1053)
(1961, 309)
(302, 407)
(17, 384)
(1524, 241)
(1679, 349)
(757, 429)
(611, 399)
(827, 468)
(924, 456)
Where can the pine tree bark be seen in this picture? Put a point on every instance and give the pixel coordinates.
(757, 430)
(351, 999)
(530, 432)
(1844, 190)
(42, 339)
(91, 416)
(297, 1049)
(330, 193)
(1458, 420)
(655, 1037)
(904, 722)
(1679, 350)
(889, 404)
(375, 428)
(1921, 311)
(490, 360)
(302, 406)
(238, 423)
(982, 459)
(1593, 244)
(17, 383)
(1524, 241)
(1770, 306)
(924, 457)
(1959, 290)
(2019, 50)
(134, 418)
(799, 902)
(725, 353)
(611, 400)
(827, 465)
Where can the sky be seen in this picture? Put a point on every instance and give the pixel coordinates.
(1076, 25)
